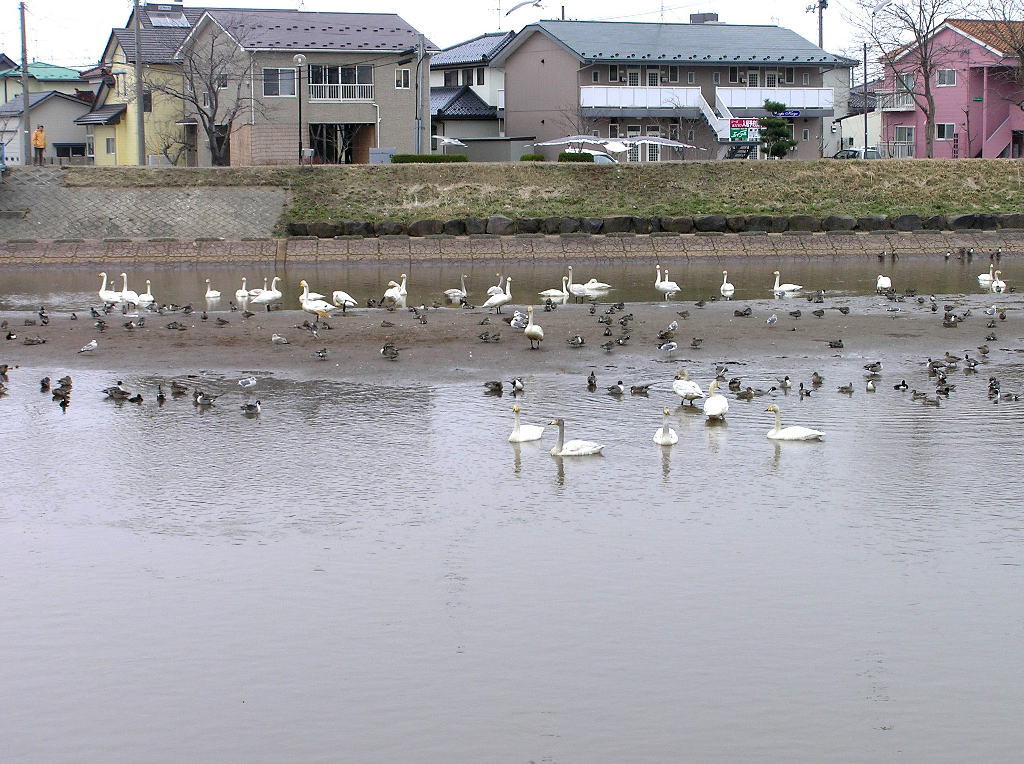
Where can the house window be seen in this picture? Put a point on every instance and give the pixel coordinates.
(790, 75)
(944, 131)
(278, 82)
(402, 79)
(613, 73)
(467, 76)
(691, 135)
(451, 79)
(903, 134)
(805, 78)
(716, 78)
(147, 101)
(222, 81)
(633, 78)
(653, 149)
(806, 134)
(595, 76)
(653, 78)
(596, 133)
(691, 78)
(334, 83)
(479, 75)
(905, 82)
(734, 74)
(771, 79)
(205, 100)
(947, 78)
(673, 130)
(673, 74)
(613, 130)
(109, 144)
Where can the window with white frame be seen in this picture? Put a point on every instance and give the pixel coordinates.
(903, 134)
(771, 79)
(653, 149)
(716, 78)
(340, 82)
(403, 79)
(673, 74)
(806, 135)
(278, 83)
(947, 78)
(805, 78)
(691, 78)
(633, 78)
(451, 78)
(108, 144)
(595, 76)
(222, 81)
(944, 131)
(613, 72)
(905, 82)
(653, 78)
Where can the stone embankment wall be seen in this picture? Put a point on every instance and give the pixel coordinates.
(519, 247)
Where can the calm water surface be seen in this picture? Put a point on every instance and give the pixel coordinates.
(369, 573)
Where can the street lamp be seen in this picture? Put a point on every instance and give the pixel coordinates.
(299, 60)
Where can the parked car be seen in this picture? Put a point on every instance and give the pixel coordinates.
(869, 153)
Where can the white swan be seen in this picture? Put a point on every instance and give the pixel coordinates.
(576, 290)
(665, 435)
(108, 295)
(497, 288)
(268, 296)
(127, 295)
(454, 295)
(242, 294)
(257, 290)
(343, 300)
(146, 298)
(686, 388)
(314, 306)
(667, 287)
(784, 287)
(533, 332)
(211, 293)
(778, 432)
(312, 295)
(985, 279)
(497, 300)
(998, 285)
(717, 405)
(401, 287)
(522, 433)
(392, 295)
(726, 289)
(593, 285)
(563, 292)
(883, 283)
(573, 447)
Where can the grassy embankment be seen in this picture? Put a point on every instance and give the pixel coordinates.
(414, 192)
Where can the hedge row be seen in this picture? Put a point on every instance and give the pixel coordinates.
(427, 158)
(504, 226)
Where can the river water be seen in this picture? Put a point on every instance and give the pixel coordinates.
(372, 573)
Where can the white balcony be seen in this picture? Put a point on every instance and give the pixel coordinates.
(501, 99)
(340, 92)
(620, 97)
(793, 98)
(899, 101)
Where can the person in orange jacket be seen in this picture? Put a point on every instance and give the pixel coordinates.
(38, 145)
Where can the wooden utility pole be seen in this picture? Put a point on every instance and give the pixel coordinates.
(26, 107)
(140, 116)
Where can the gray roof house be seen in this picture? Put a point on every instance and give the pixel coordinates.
(692, 82)
(57, 112)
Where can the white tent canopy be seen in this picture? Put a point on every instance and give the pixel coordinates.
(619, 145)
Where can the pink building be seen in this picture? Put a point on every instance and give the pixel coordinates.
(976, 89)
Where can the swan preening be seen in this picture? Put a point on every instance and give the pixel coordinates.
(778, 432)
(523, 433)
(883, 283)
(573, 447)
(665, 435)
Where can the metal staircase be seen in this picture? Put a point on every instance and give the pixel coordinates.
(740, 150)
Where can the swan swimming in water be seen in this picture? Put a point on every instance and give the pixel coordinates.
(573, 447)
(211, 293)
(523, 433)
(665, 435)
(782, 288)
(268, 296)
(498, 288)
(998, 285)
(146, 298)
(563, 292)
(454, 295)
(778, 432)
(242, 294)
(686, 388)
(717, 405)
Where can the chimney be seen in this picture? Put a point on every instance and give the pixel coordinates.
(703, 18)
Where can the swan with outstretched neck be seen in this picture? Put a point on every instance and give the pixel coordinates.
(665, 435)
(668, 288)
(243, 293)
(534, 332)
(726, 289)
(316, 307)
(563, 292)
(523, 433)
(108, 295)
(146, 298)
(211, 293)
(268, 296)
(793, 432)
(454, 295)
(782, 288)
(127, 295)
(573, 447)
(497, 300)
(985, 279)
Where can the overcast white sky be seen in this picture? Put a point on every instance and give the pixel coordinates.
(73, 32)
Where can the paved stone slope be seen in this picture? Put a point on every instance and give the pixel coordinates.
(34, 203)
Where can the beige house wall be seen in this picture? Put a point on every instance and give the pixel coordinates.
(541, 89)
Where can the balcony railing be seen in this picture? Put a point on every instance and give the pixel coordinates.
(901, 101)
(340, 92)
(639, 98)
(501, 99)
(897, 149)
(793, 98)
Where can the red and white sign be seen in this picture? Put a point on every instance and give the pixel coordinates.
(739, 124)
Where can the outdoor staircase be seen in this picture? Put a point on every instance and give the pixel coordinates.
(740, 150)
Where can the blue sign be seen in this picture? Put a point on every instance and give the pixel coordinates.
(788, 113)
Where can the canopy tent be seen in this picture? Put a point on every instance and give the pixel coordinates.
(642, 140)
(446, 141)
(573, 139)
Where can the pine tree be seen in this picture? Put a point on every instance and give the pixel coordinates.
(775, 135)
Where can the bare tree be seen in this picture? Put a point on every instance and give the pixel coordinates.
(904, 32)
(214, 87)
(170, 141)
(577, 121)
(1006, 26)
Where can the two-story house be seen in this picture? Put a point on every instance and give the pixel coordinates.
(42, 78)
(701, 83)
(466, 90)
(976, 88)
